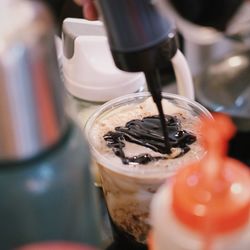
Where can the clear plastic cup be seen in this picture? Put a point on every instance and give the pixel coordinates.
(128, 189)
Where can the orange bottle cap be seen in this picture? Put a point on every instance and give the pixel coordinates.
(212, 196)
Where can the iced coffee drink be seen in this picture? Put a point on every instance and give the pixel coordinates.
(128, 146)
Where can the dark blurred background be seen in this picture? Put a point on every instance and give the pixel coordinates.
(62, 9)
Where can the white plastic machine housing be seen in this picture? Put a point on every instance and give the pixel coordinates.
(89, 71)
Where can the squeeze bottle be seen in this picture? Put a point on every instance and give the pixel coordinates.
(206, 206)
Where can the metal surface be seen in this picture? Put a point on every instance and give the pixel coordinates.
(32, 116)
(224, 87)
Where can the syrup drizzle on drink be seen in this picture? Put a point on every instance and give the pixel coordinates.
(148, 133)
(154, 85)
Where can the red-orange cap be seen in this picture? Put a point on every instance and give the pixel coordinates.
(212, 196)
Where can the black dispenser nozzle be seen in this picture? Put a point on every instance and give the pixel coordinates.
(140, 39)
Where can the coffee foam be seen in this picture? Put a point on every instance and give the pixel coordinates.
(120, 116)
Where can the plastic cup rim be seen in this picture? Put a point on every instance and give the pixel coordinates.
(126, 171)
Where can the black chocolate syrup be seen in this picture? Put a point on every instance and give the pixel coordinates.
(154, 86)
(164, 126)
(148, 133)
